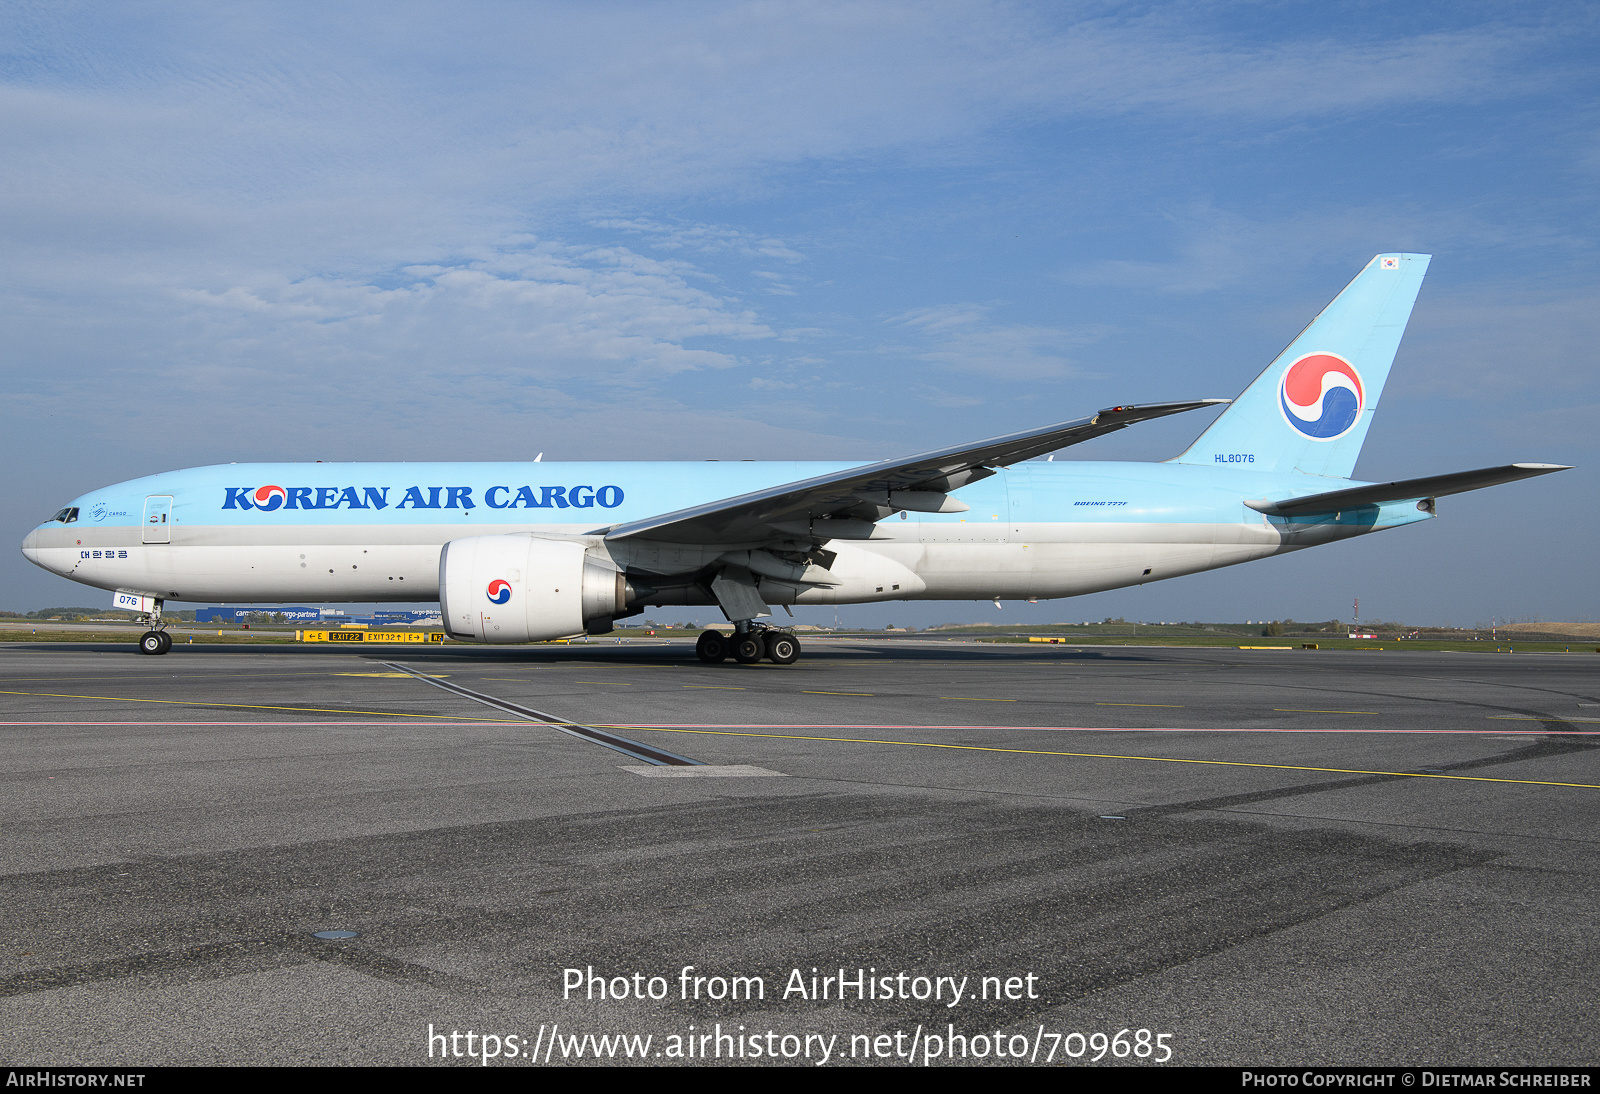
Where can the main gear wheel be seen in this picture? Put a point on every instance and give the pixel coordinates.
(712, 647)
(782, 649)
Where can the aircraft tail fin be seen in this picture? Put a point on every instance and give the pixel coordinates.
(1311, 408)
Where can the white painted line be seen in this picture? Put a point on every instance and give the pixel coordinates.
(703, 771)
(1531, 718)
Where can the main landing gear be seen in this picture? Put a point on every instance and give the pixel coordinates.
(749, 643)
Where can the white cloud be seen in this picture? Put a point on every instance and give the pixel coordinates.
(1218, 249)
(705, 238)
(540, 328)
(963, 338)
(413, 122)
(1172, 62)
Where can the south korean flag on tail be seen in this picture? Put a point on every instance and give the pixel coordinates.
(1389, 263)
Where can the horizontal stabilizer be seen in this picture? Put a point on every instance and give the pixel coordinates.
(1431, 487)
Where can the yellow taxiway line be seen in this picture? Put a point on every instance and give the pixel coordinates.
(248, 706)
(1104, 756)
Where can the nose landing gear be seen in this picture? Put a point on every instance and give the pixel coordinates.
(156, 640)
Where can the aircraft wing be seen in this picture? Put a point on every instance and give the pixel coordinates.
(1405, 489)
(844, 504)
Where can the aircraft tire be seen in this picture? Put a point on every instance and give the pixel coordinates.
(166, 642)
(749, 649)
(712, 647)
(782, 649)
(150, 643)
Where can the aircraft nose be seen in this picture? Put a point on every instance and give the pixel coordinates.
(32, 551)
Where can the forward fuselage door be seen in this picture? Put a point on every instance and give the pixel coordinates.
(158, 518)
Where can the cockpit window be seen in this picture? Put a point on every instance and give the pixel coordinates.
(67, 515)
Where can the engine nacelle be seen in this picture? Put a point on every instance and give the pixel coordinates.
(522, 588)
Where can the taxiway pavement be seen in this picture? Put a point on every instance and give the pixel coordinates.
(1295, 857)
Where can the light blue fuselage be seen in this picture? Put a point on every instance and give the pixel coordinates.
(373, 532)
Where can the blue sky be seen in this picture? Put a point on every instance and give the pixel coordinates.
(833, 231)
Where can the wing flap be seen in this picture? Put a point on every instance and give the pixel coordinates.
(757, 516)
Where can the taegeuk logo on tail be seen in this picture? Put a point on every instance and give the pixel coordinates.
(1321, 396)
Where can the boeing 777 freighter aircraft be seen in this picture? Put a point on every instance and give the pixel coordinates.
(525, 552)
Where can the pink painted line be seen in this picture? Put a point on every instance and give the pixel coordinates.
(1506, 732)
(385, 722)
(1088, 729)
